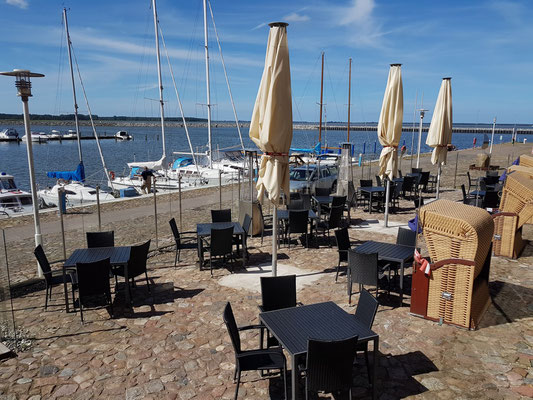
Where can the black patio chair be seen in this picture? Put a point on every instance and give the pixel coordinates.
(491, 200)
(330, 366)
(351, 201)
(220, 245)
(343, 244)
(416, 170)
(246, 224)
(400, 173)
(423, 181)
(181, 242)
(408, 186)
(252, 360)
(53, 277)
(306, 201)
(93, 281)
(136, 264)
(366, 310)
(322, 191)
(333, 220)
(277, 292)
(100, 239)
(298, 223)
(221, 215)
(364, 269)
(396, 192)
(378, 181)
(363, 197)
(470, 200)
(471, 182)
(406, 237)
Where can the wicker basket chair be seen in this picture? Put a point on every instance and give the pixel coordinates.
(458, 238)
(527, 171)
(516, 209)
(526, 161)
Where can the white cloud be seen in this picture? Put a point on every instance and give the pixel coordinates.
(259, 26)
(295, 17)
(358, 18)
(359, 12)
(18, 3)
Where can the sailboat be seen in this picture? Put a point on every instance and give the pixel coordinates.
(72, 182)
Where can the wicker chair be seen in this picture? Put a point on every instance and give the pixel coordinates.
(100, 239)
(221, 215)
(458, 238)
(516, 209)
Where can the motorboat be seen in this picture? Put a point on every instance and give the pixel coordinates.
(38, 137)
(13, 201)
(55, 135)
(71, 134)
(9, 135)
(123, 135)
(76, 193)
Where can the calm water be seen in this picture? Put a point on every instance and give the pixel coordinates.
(146, 146)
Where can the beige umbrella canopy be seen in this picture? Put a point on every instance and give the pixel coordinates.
(271, 124)
(440, 130)
(390, 123)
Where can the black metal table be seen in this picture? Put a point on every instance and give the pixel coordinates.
(204, 231)
(293, 327)
(370, 190)
(389, 252)
(118, 256)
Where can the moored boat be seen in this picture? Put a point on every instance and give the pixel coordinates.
(9, 135)
(13, 201)
(123, 135)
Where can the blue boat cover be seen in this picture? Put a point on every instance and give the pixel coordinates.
(78, 175)
(504, 175)
(181, 162)
(135, 171)
(314, 150)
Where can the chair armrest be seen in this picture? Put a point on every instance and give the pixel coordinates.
(248, 327)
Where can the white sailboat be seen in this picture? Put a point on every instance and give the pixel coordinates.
(72, 182)
(13, 201)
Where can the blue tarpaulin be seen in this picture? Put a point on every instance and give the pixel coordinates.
(135, 171)
(315, 150)
(504, 175)
(78, 175)
(182, 162)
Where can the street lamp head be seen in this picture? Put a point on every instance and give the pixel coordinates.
(22, 81)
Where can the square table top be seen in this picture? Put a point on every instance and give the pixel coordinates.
(284, 214)
(294, 326)
(372, 189)
(119, 255)
(204, 229)
(387, 251)
(323, 199)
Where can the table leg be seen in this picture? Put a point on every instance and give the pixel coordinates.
(370, 203)
(200, 252)
(127, 290)
(243, 251)
(375, 369)
(65, 288)
(294, 377)
(401, 283)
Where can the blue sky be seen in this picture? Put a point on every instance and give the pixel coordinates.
(485, 46)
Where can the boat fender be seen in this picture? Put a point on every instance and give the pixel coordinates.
(112, 175)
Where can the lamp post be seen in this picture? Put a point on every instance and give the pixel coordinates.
(23, 84)
(422, 112)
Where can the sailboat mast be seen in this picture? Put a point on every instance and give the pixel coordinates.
(161, 103)
(209, 141)
(321, 98)
(78, 136)
(349, 97)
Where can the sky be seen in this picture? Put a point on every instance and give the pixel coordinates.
(485, 46)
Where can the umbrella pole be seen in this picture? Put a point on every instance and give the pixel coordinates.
(387, 196)
(439, 170)
(275, 241)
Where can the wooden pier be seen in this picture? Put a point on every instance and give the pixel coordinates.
(425, 128)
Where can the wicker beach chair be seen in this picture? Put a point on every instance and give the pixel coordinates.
(526, 161)
(458, 239)
(516, 209)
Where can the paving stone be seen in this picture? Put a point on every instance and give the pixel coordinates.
(65, 390)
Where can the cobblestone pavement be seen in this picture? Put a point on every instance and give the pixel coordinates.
(173, 344)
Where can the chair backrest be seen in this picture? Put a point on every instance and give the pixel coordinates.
(306, 201)
(343, 242)
(416, 170)
(221, 241)
(335, 216)
(322, 191)
(229, 320)
(465, 198)
(100, 239)
(482, 185)
(298, 221)
(366, 310)
(408, 182)
(246, 223)
(469, 178)
(400, 173)
(406, 237)
(175, 231)
(330, 364)
(278, 292)
(93, 278)
(138, 259)
(491, 200)
(363, 268)
(296, 204)
(398, 188)
(424, 178)
(221, 215)
(43, 262)
(492, 173)
(378, 181)
(338, 201)
(365, 182)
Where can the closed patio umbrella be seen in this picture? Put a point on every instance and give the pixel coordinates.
(440, 130)
(390, 129)
(271, 124)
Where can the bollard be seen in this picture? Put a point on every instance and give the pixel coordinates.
(220, 189)
(179, 194)
(455, 175)
(61, 205)
(155, 216)
(98, 207)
